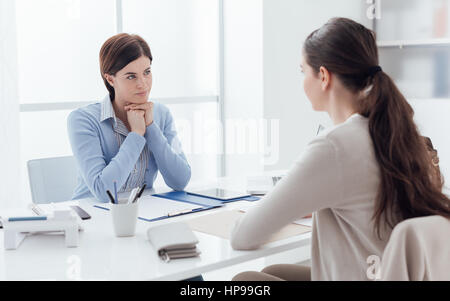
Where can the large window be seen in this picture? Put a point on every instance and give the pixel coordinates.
(183, 36)
(58, 46)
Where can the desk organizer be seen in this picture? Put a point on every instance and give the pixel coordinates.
(59, 221)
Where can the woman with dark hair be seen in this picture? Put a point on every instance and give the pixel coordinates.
(361, 177)
(125, 138)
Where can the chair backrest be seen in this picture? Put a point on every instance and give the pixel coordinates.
(52, 179)
(418, 249)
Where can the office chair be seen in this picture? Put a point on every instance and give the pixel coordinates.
(418, 250)
(52, 179)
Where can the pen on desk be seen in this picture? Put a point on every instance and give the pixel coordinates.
(139, 193)
(179, 212)
(110, 196)
(115, 193)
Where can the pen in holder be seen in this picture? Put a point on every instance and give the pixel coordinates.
(124, 218)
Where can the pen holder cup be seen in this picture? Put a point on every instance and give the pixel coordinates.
(124, 218)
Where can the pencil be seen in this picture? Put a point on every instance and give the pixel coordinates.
(115, 192)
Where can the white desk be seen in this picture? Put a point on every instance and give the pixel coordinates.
(102, 256)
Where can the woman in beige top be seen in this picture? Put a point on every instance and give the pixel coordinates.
(361, 177)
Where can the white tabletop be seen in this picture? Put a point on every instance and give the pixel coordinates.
(102, 256)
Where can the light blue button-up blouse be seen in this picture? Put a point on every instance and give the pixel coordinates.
(106, 151)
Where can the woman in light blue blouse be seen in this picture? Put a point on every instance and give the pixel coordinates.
(125, 138)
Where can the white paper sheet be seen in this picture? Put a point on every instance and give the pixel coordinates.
(151, 207)
(49, 208)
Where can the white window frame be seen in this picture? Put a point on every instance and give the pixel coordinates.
(219, 99)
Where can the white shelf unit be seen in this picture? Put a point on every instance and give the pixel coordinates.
(415, 55)
(413, 59)
(414, 43)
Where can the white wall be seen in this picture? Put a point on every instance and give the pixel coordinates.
(287, 24)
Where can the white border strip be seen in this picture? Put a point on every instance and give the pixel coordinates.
(221, 100)
(414, 43)
(119, 16)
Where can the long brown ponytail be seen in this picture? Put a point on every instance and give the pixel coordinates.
(410, 186)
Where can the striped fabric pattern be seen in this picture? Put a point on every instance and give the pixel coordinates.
(137, 176)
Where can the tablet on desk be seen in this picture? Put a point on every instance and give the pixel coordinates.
(220, 194)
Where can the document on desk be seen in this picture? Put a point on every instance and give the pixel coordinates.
(30, 210)
(221, 224)
(46, 209)
(152, 208)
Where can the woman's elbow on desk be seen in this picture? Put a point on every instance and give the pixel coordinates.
(240, 240)
(179, 183)
(98, 190)
(99, 197)
(242, 245)
(179, 186)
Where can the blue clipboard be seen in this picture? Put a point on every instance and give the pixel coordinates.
(184, 196)
(166, 216)
(207, 203)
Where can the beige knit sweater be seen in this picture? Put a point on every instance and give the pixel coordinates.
(337, 177)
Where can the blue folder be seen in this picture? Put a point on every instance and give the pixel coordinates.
(184, 196)
(208, 203)
(166, 216)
